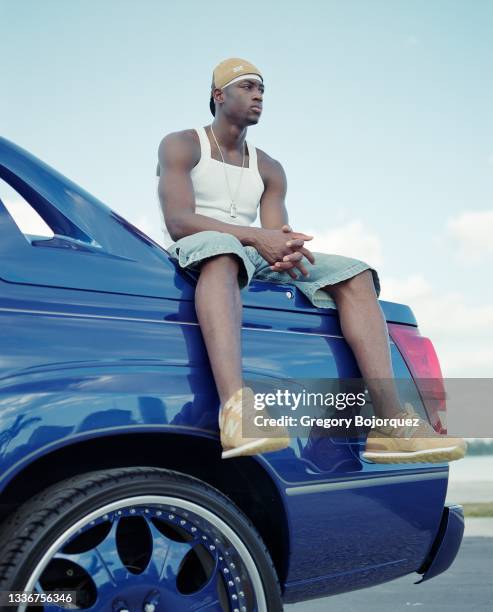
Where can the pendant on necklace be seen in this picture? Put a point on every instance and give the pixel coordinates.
(232, 212)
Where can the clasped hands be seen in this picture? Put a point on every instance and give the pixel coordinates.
(282, 254)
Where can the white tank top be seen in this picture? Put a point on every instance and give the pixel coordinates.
(212, 197)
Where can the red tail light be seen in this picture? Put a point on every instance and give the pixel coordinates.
(421, 359)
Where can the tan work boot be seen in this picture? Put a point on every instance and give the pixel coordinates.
(404, 444)
(241, 403)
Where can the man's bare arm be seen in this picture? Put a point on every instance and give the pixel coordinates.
(274, 215)
(176, 159)
(177, 198)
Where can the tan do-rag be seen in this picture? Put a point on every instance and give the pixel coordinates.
(229, 70)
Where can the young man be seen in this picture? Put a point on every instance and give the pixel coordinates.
(211, 183)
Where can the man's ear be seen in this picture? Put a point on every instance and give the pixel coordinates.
(218, 95)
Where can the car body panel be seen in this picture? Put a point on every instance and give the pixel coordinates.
(446, 544)
(100, 338)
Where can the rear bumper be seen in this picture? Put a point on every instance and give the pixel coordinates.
(446, 545)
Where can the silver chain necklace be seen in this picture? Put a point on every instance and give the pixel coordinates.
(232, 209)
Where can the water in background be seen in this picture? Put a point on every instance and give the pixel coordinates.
(471, 479)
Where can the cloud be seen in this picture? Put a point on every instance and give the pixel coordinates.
(351, 239)
(459, 363)
(457, 328)
(150, 227)
(405, 290)
(472, 231)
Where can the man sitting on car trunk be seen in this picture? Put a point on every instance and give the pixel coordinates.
(211, 183)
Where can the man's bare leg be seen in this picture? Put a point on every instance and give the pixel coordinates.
(364, 327)
(219, 311)
(365, 330)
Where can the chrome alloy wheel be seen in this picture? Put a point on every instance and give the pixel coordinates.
(150, 553)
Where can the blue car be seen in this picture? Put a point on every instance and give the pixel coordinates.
(113, 495)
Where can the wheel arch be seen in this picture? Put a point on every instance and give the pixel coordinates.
(245, 481)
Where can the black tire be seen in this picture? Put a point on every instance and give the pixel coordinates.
(26, 537)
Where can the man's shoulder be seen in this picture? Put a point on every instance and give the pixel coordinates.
(182, 144)
(268, 166)
(188, 137)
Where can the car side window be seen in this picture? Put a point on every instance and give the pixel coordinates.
(29, 222)
(54, 233)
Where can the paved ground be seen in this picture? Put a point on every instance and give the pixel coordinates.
(479, 527)
(466, 585)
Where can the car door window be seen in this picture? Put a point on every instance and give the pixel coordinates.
(54, 233)
(28, 221)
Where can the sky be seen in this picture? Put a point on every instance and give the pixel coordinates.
(379, 112)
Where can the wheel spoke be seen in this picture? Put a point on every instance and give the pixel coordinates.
(102, 563)
(167, 556)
